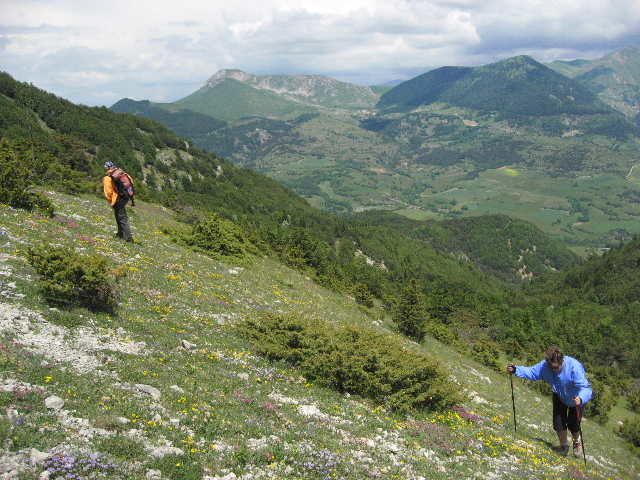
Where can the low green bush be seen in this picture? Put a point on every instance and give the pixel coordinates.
(354, 359)
(630, 430)
(440, 332)
(633, 400)
(485, 352)
(216, 237)
(363, 295)
(69, 279)
(16, 183)
(603, 401)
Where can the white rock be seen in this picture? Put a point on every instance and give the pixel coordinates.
(123, 420)
(153, 474)
(230, 476)
(392, 447)
(177, 389)
(149, 390)
(243, 376)
(54, 403)
(257, 443)
(189, 345)
(275, 396)
(164, 450)
(12, 415)
(157, 418)
(310, 411)
(44, 476)
(37, 457)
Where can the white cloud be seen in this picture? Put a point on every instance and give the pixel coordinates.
(97, 52)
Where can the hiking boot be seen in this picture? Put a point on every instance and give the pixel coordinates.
(577, 449)
(561, 449)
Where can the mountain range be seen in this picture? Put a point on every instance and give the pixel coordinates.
(514, 137)
(615, 78)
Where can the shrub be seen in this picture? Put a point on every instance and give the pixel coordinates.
(603, 401)
(363, 295)
(219, 237)
(15, 183)
(630, 430)
(69, 279)
(440, 332)
(353, 359)
(485, 352)
(633, 400)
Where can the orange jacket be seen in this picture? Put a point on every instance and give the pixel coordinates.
(110, 189)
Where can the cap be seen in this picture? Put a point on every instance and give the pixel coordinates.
(109, 165)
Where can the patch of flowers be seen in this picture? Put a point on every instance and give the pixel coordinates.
(72, 467)
(468, 415)
(323, 462)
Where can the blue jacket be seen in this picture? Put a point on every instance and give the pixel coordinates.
(569, 383)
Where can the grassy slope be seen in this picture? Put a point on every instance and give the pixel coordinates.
(237, 412)
(232, 100)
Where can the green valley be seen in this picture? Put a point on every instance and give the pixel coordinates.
(514, 137)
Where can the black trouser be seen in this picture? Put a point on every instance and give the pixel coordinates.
(122, 220)
(564, 416)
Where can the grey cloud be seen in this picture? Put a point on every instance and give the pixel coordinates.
(24, 29)
(408, 38)
(186, 23)
(497, 42)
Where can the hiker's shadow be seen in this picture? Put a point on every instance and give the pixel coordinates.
(546, 442)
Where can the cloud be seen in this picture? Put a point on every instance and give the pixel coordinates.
(97, 52)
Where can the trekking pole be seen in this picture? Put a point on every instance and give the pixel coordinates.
(513, 403)
(584, 455)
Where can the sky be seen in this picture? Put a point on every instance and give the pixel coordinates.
(97, 52)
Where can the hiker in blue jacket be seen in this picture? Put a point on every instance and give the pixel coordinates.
(571, 391)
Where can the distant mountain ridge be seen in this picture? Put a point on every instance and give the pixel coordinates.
(615, 78)
(454, 141)
(515, 86)
(309, 90)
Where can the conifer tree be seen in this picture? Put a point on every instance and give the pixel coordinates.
(411, 311)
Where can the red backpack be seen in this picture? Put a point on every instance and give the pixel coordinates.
(124, 183)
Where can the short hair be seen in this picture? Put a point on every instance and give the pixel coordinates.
(554, 355)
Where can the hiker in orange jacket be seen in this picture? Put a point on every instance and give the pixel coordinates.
(118, 199)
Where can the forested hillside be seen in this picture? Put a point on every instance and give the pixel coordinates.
(512, 87)
(615, 78)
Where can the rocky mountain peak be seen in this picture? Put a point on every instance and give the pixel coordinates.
(228, 73)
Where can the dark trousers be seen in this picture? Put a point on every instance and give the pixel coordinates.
(564, 416)
(122, 220)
